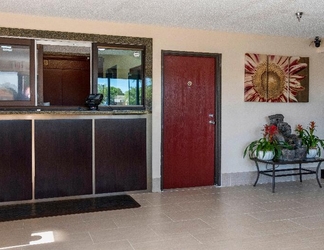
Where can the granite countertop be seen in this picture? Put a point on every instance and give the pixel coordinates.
(72, 112)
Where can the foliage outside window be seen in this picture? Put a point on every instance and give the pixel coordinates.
(120, 76)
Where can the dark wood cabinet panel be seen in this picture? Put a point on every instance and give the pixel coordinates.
(16, 160)
(66, 80)
(120, 151)
(63, 158)
(53, 87)
(76, 87)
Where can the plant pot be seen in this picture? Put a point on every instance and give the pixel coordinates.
(266, 156)
(300, 153)
(288, 154)
(312, 152)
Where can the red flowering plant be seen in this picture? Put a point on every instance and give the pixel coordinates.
(308, 138)
(266, 143)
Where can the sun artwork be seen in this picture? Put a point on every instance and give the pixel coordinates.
(271, 78)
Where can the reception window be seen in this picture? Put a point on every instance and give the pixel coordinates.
(17, 72)
(69, 70)
(120, 76)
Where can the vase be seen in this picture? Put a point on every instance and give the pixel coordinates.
(311, 153)
(266, 156)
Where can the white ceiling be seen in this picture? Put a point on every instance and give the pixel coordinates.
(269, 17)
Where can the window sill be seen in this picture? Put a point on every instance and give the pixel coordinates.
(71, 112)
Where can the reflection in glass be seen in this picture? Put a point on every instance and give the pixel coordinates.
(120, 76)
(14, 72)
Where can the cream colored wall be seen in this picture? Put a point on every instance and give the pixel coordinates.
(241, 122)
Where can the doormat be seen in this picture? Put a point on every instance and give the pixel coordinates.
(65, 207)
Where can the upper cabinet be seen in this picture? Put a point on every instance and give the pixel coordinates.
(66, 79)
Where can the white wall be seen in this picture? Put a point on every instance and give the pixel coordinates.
(241, 121)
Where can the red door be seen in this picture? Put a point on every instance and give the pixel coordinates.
(188, 121)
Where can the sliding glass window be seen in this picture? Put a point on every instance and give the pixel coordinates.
(120, 76)
(17, 72)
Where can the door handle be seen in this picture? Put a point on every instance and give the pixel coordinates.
(212, 122)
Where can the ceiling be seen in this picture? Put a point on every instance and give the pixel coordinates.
(267, 17)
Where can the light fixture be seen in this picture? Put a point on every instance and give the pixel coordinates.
(6, 48)
(317, 41)
(299, 15)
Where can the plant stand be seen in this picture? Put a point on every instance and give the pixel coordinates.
(275, 172)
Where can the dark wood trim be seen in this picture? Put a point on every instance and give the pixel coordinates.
(94, 62)
(67, 57)
(15, 41)
(33, 92)
(40, 79)
(218, 132)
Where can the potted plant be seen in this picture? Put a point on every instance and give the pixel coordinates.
(266, 148)
(311, 141)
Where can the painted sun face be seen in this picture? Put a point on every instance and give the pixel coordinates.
(272, 78)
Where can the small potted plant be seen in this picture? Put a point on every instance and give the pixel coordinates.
(266, 148)
(311, 141)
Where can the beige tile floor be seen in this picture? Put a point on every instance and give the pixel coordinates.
(229, 218)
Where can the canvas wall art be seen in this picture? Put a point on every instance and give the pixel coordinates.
(272, 78)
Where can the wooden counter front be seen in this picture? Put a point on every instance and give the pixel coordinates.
(53, 156)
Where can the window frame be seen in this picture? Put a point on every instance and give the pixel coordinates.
(32, 64)
(95, 58)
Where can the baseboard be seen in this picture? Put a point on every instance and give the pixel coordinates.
(243, 178)
(248, 178)
(156, 185)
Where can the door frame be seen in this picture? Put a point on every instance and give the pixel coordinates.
(218, 92)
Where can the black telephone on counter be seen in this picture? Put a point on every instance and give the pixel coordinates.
(93, 101)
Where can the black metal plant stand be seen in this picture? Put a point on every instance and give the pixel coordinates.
(275, 172)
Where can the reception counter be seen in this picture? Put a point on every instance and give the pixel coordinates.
(54, 154)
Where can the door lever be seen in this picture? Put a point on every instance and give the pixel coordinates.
(212, 122)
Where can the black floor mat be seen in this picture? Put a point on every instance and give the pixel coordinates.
(64, 207)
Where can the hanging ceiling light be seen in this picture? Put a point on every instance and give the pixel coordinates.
(299, 15)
